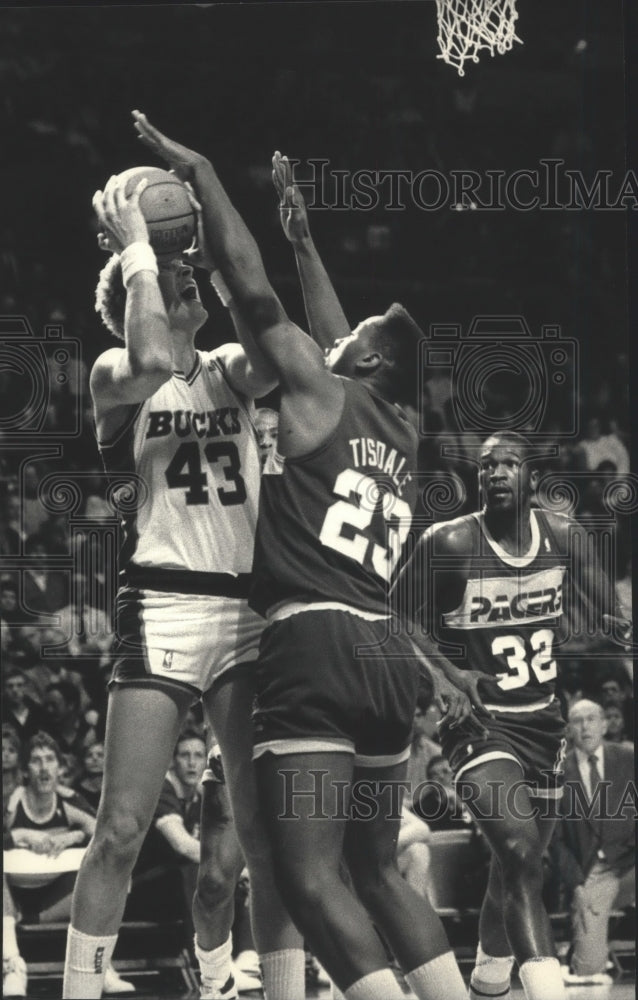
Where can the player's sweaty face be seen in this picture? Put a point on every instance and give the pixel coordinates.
(503, 476)
(180, 294)
(342, 357)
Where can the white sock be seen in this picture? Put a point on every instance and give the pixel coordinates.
(541, 979)
(85, 964)
(380, 985)
(215, 964)
(283, 974)
(438, 979)
(491, 975)
(9, 940)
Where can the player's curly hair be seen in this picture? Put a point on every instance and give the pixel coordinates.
(110, 296)
(400, 337)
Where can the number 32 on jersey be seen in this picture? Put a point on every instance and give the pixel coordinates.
(346, 526)
(541, 663)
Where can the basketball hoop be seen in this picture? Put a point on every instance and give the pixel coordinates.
(467, 26)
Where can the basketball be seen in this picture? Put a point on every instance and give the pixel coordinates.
(166, 207)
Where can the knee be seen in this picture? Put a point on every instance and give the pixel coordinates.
(216, 886)
(118, 837)
(301, 887)
(373, 883)
(521, 860)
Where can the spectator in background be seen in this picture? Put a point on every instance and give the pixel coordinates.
(11, 769)
(617, 688)
(615, 732)
(12, 536)
(597, 447)
(65, 719)
(413, 853)
(89, 784)
(594, 845)
(55, 535)
(70, 770)
(49, 822)
(438, 804)
(267, 426)
(43, 668)
(31, 508)
(424, 746)
(18, 709)
(11, 616)
(44, 590)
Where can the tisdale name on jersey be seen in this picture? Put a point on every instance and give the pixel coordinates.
(496, 601)
(204, 424)
(372, 454)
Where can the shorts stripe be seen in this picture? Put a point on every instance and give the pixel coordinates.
(381, 760)
(535, 706)
(315, 744)
(289, 608)
(151, 681)
(484, 757)
(538, 792)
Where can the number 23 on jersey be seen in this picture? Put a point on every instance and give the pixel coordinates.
(347, 526)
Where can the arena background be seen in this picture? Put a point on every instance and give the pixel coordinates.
(357, 85)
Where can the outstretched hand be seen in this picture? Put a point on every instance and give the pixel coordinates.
(292, 207)
(182, 160)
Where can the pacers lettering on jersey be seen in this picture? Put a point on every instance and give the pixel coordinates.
(498, 601)
(532, 604)
(182, 423)
(370, 453)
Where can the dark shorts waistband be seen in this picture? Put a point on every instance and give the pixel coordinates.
(179, 581)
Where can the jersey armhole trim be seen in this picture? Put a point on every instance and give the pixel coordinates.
(126, 426)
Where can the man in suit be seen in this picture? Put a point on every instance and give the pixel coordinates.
(596, 838)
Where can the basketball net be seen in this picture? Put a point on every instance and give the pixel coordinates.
(467, 26)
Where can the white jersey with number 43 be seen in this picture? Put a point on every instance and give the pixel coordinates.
(192, 449)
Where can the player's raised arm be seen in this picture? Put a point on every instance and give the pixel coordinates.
(297, 359)
(134, 372)
(326, 319)
(248, 370)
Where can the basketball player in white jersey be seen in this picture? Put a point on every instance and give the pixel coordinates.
(176, 424)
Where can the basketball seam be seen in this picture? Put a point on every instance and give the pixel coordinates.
(168, 218)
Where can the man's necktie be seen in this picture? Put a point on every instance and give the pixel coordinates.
(594, 781)
(594, 774)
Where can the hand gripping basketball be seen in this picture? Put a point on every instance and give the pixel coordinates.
(119, 215)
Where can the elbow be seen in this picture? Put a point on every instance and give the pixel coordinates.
(261, 312)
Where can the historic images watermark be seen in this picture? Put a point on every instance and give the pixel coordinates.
(549, 185)
(316, 795)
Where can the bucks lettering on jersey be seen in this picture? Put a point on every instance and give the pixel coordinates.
(332, 524)
(509, 614)
(193, 450)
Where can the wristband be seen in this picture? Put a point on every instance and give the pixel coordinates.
(138, 256)
(221, 288)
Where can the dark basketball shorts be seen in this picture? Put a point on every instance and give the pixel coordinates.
(328, 680)
(181, 641)
(534, 739)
